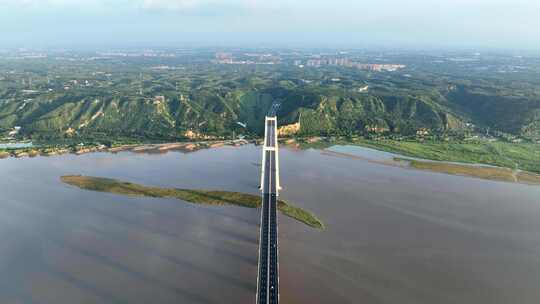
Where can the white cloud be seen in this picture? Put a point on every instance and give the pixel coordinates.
(39, 2)
(174, 4)
(443, 21)
(50, 3)
(194, 4)
(145, 4)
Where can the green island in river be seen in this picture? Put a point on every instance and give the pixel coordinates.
(205, 197)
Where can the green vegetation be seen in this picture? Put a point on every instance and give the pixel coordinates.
(522, 156)
(491, 173)
(477, 111)
(514, 156)
(205, 197)
(300, 215)
(508, 160)
(160, 99)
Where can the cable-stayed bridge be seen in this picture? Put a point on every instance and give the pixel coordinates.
(268, 276)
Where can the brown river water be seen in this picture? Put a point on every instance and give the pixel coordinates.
(393, 235)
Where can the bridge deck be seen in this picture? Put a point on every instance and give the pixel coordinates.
(268, 276)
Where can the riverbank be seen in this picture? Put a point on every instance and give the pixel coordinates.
(516, 156)
(195, 196)
(513, 162)
(520, 156)
(151, 148)
(483, 172)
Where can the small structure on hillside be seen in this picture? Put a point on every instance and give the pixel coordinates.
(422, 132)
(159, 100)
(14, 131)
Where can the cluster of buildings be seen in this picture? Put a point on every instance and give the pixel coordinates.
(265, 58)
(223, 57)
(376, 67)
(379, 67)
(330, 61)
(227, 58)
(23, 54)
(145, 53)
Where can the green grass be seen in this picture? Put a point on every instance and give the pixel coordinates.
(206, 197)
(485, 172)
(524, 156)
(300, 215)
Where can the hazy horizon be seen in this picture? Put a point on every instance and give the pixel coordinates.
(491, 24)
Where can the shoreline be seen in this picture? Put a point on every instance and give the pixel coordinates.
(150, 148)
(446, 162)
(193, 196)
(481, 171)
(520, 156)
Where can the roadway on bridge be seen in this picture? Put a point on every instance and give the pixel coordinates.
(268, 278)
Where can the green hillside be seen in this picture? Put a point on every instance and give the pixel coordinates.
(133, 100)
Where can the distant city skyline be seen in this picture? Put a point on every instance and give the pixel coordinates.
(500, 24)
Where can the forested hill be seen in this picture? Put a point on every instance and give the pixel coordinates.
(135, 100)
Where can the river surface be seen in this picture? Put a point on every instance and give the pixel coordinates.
(393, 235)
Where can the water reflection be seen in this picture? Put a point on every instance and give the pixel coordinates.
(394, 235)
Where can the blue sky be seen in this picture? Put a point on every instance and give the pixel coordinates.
(512, 24)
